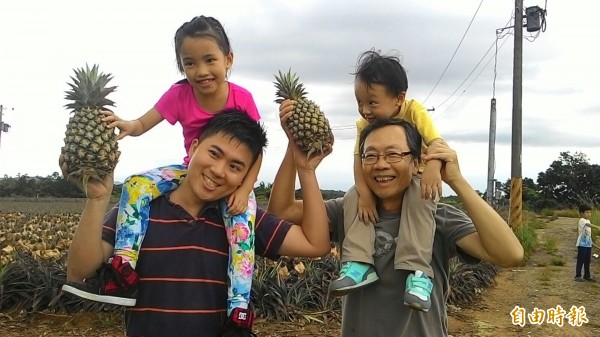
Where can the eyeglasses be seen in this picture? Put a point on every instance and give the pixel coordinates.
(389, 157)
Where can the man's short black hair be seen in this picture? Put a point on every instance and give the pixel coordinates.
(240, 126)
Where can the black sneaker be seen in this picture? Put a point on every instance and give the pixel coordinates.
(589, 279)
(114, 283)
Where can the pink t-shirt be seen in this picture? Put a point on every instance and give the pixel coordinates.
(179, 104)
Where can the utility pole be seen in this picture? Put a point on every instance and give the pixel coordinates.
(3, 126)
(489, 195)
(516, 183)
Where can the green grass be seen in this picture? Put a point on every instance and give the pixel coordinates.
(110, 320)
(547, 212)
(568, 213)
(557, 261)
(536, 223)
(551, 245)
(545, 277)
(528, 238)
(595, 219)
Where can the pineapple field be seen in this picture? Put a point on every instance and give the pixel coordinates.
(290, 295)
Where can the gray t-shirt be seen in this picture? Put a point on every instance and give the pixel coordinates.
(378, 310)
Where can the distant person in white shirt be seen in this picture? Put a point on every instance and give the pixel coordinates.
(584, 244)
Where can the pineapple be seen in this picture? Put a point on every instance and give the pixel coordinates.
(91, 149)
(308, 125)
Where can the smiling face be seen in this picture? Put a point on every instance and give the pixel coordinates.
(205, 65)
(375, 102)
(389, 181)
(218, 165)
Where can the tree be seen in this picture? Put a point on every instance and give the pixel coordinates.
(263, 189)
(571, 180)
(531, 193)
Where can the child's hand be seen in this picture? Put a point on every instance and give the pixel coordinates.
(238, 202)
(367, 209)
(431, 182)
(126, 128)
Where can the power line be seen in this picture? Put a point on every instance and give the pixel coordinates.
(480, 60)
(473, 81)
(455, 51)
(466, 78)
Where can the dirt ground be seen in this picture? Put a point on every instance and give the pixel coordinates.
(544, 282)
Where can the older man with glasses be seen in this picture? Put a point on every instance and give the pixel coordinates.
(390, 149)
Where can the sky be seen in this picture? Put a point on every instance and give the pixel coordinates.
(42, 41)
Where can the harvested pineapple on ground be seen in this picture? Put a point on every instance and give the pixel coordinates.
(308, 125)
(91, 149)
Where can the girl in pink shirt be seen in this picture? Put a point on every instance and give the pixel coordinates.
(204, 56)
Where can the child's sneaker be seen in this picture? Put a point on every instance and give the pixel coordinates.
(418, 291)
(353, 275)
(115, 283)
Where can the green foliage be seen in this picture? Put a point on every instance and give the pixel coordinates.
(37, 187)
(571, 180)
(568, 213)
(452, 200)
(263, 190)
(33, 285)
(595, 219)
(527, 237)
(263, 193)
(532, 198)
(533, 221)
(547, 212)
(294, 288)
(551, 245)
(557, 261)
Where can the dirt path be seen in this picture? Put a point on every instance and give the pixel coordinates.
(542, 283)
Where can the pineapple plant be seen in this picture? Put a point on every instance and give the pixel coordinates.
(91, 149)
(308, 125)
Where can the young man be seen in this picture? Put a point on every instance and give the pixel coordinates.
(183, 263)
(377, 310)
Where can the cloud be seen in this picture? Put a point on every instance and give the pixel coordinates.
(590, 110)
(533, 134)
(324, 47)
(321, 41)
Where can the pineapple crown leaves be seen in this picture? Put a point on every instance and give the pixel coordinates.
(288, 87)
(88, 89)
